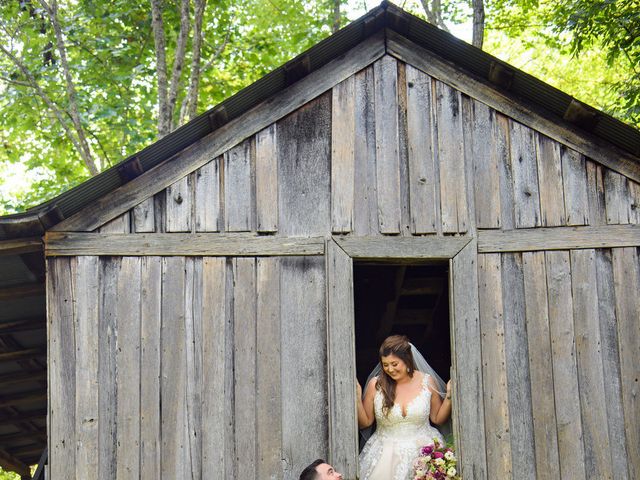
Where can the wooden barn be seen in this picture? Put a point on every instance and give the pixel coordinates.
(211, 300)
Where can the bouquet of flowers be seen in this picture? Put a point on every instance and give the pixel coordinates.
(436, 462)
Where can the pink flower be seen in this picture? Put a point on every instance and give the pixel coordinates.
(426, 450)
(438, 455)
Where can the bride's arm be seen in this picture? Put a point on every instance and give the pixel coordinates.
(365, 406)
(440, 408)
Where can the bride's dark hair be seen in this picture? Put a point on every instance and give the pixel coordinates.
(399, 346)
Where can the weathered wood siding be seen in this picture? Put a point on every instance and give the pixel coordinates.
(216, 367)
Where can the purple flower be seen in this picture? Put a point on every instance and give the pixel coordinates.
(438, 454)
(427, 450)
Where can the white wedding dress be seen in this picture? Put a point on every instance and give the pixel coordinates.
(396, 443)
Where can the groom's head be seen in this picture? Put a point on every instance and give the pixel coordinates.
(320, 470)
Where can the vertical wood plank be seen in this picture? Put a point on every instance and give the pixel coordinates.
(172, 387)
(143, 216)
(540, 366)
(526, 195)
(627, 284)
(107, 386)
(503, 151)
(238, 194)
(468, 361)
(574, 180)
(193, 348)
(494, 372)
(387, 144)
(128, 369)
(120, 224)
(634, 192)
(453, 194)
(86, 325)
(267, 180)
(517, 365)
(215, 362)
(590, 373)
(179, 205)
(611, 361)
(62, 370)
(343, 427)
(245, 366)
(550, 182)
(150, 316)
(403, 151)
(365, 202)
(595, 194)
(616, 192)
(304, 169)
(342, 155)
(207, 197)
(565, 373)
(268, 371)
(303, 314)
(422, 179)
(468, 125)
(489, 152)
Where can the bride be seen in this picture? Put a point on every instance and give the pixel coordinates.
(402, 395)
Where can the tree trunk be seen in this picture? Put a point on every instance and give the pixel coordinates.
(178, 62)
(190, 104)
(434, 13)
(336, 16)
(161, 66)
(478, 23)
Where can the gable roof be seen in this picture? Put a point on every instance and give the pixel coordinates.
(394, 31)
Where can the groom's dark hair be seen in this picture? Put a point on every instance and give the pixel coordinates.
(310, 473)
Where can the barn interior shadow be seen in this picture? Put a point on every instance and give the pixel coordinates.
(402, 299)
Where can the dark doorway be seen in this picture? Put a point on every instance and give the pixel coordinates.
(402, 299)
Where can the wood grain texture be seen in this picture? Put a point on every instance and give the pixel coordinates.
(268, 370)
(558, 238)
(304, 169)
(607, 312)
(62, 372)
(550, 182)
(526, 196)
(267, 179)
(366, 197)
(387, 144)
(467, 353)
(238, 188)
(127, 360)
(597, 448)
(343, 426)
(503, 151)
(150, 327)
(616, 192)
(342, 155)
(143, 217)
(207, 211)
(516, 349)
(86, 365)
(219, 141)
(574, 181)
(244, 357)
(422, 176)
(215, 363)
(494, 370)
(565, 373)
(303, 314)
(626, 274)
(171, 244)
(119, 224)
(453, 194)
(402, 247)
(540, 365)
(595, 194)
(174, 441)
(179, 203)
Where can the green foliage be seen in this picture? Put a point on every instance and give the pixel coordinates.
(4, 475)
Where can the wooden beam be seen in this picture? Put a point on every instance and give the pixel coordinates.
(20, 246)
(599, 150)
(558, 238)
(23, 324)
(403, 248)
(22, 354)
(23, 417)
(14, 378)
(219, 141)
(179, 244)
(11, 463)
(25, 398)
(7, 440)
(21, 291)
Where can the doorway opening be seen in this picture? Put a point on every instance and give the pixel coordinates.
(411, 300)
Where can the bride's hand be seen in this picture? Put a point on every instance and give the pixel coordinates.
(358, 390)
(449, 389)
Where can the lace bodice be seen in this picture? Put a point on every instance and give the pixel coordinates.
(417, 412)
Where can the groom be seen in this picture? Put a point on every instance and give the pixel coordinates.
(320, 470)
